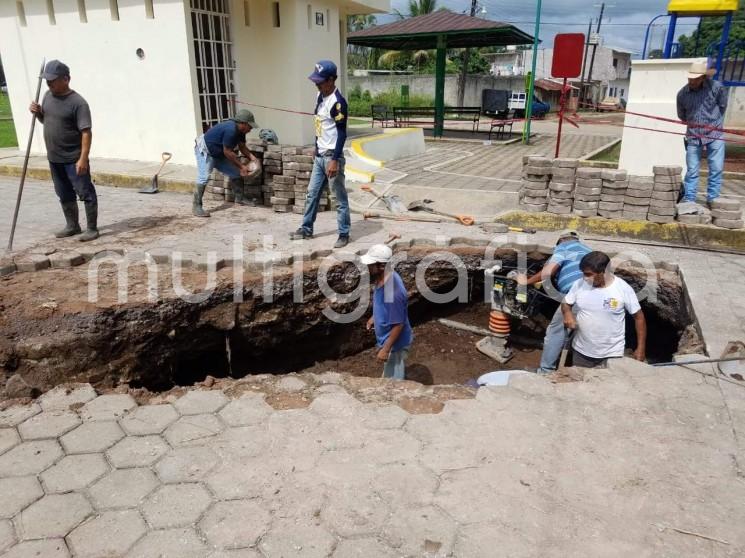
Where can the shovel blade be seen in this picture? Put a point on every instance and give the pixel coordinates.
(153, 188)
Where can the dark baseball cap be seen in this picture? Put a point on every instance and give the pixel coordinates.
(55, 69)
(324, 70)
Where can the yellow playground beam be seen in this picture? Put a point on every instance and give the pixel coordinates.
(702, 6)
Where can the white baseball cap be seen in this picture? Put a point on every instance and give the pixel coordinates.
(380, 253)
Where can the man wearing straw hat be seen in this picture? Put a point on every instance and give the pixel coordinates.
(701, 105)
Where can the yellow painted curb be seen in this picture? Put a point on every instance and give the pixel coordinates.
(359, 175)
(358, 145)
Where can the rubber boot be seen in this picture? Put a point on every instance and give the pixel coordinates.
(236, 184)
(91, 218)
(70, 209)
(196, 206)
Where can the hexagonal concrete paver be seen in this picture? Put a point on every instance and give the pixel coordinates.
(198, 402)
(7, 534)
(8, 438)
(416, 531)
(187, 464)
(288, 538)
(110, 534)
(92, 437)
(122, 488)
(61, 397)
(355, 512)
(53, 516)
(176, 505)
(108, 407)
(137, 451)
(17, 494)
(169, 543)
(363, 548)
(74, 472)
(149, 419)
(13, 416)
(247, 410)
(49, 424)
(239, 553)
(50, 548)
(235, 524)
(29, 458)
(193, 430)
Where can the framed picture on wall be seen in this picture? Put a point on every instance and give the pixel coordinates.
(319, 18)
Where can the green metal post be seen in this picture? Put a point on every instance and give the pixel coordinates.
(440, 86)
(529, 100)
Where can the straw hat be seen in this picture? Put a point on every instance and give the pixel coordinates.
(697, 70)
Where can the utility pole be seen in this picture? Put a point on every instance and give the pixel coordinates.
(595, 46)
(584, 65)
(464, 70)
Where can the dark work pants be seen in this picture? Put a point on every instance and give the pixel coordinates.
(67, 184)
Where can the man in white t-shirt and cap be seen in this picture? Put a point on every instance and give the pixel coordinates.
(595, 308)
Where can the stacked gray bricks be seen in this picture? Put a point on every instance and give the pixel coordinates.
(638, 197)
(726, 213)
(272, 168)
(587, 189)
(283, 186)
(218, 186)
(534, 191)
(300, 166)
(613, 193)
(561, 187)
(664, 194)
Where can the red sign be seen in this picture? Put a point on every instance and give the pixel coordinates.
(568, 51)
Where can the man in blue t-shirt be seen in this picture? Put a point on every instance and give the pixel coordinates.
(216, 150)
(563, 268)
(390, 312)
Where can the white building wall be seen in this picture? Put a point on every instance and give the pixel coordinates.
(140, 107)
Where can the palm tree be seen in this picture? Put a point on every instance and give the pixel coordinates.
(419, 7)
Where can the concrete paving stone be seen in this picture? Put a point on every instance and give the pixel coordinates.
(726, 214)
(560, 172)
(556, 179)
(589, 183)
(559, 187)
(256, 477)
(247, 410)
(288, 538)
(610, 206)
(188, 464)
(662, 211)
(355, 512)
(29, 458)
(122, 488)
(235, 524)
(176, 505)
(535, 201)
(534, 178)
(74, 472)
(565, 162)
(420, 531)
(111, 533)
(239, 553)
(666, 182)
(7, 534)
(587, 198)
(149, 419)
(639, 194)
(193, 430)
(8, 439)
(530, 208)
(136, 451)
(560, 209)
(665, 196)
(169, 543)
(535, 170)
(15, 415)
(608, 214)
(661, 219)
(589, 173)
(726, 204)
(634, 215)
(612, 198)
(538, 161)
(639, 202)
(586, 212)
(48, 424)
(664, 204)
(609, 185)
(667, 170)
(689, 219)
(53, 516)
(293, 383)
(197, 402)
(31, 262)
(337, 406)
(61, 260)
(17, 494)
(108, 407)
(561, 196)
(363, 548)
(92, 437)
(729, 223)
(50, 548)
(614, 175)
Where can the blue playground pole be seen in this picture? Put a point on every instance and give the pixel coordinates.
(670, 36)
(723, 45)
(646, 36)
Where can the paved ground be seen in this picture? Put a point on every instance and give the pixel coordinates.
(633, 461)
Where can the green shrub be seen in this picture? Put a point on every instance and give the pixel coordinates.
(360, 101)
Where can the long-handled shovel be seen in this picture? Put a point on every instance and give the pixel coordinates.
(25, 161)
(392, 202)
(565, 349)
(153, 188)
(421, 205)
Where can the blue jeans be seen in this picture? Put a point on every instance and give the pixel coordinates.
(206, 163)
(318, 181)
(395, 366)
(715, 159)
(67, 183)
(553, 343)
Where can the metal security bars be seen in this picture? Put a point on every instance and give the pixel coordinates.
(213, 54)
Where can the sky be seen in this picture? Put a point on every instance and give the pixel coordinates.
(624, 21)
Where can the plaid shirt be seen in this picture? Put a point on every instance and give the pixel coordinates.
(703, 106)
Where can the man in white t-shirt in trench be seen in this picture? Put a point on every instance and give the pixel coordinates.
(595, 308)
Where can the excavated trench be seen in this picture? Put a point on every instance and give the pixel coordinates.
(172, 342)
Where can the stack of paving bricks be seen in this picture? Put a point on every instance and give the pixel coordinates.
(613, 193)
(561, 187)
(283, 185)
(534, 191)
(272, 168)
(587, 190)
(219, 187)
(638, 197)
(664, 194)
(726, 213)
(300, 166)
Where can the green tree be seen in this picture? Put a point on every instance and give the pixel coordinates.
(710, 32)
(419, 7)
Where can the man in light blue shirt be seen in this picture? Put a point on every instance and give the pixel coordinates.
(563, 268)
(390, 312)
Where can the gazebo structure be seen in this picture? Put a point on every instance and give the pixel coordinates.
(439, 30)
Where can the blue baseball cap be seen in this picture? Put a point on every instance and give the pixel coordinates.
(324, 70)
